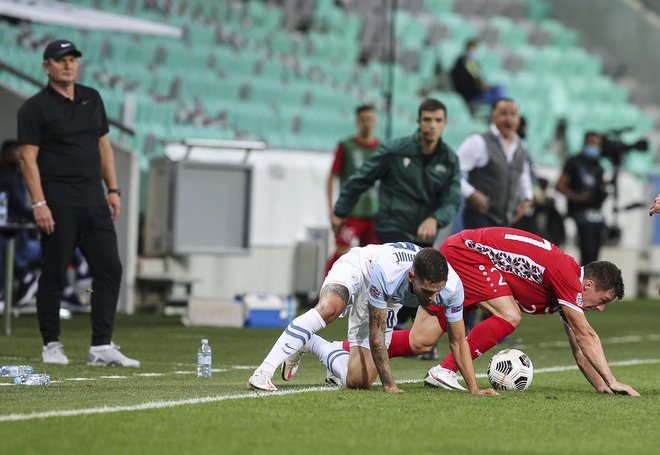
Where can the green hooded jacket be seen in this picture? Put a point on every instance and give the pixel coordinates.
(410, 191)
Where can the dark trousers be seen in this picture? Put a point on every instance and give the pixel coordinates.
(590, 238)
(476, 220)
(91, 229)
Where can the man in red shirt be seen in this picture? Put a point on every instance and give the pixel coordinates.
(506, 272)
(359, 228)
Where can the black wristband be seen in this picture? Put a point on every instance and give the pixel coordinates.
(114, 190)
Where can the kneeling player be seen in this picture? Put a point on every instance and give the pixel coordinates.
(374, 282)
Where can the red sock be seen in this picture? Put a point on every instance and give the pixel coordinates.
(482, 337)
(399, 347)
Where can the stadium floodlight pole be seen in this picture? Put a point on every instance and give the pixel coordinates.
(390, 69)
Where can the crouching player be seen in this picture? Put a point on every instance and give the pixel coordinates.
(373, 282)
(507, 272)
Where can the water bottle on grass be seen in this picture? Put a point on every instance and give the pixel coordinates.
(12, 371)
(204, 360)
(32, 379)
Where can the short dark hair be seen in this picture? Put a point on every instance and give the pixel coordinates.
(8, 166)
(364, 108)
(431, 105)
(606, 276)
(500, 100)
(590, 133)
(471, 42)
(430, 265)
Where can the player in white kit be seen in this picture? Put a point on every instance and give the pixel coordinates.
(373, 282)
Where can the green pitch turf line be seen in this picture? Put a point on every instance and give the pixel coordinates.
(254, 394)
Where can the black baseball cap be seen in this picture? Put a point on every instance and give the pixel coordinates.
(59, 48)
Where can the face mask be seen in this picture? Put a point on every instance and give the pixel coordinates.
(592, 151)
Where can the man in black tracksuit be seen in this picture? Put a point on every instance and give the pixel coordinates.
(419, 175)
(66, 154)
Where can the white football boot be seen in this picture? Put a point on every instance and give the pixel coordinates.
(290, 365)
(260, 380)
(443, 378)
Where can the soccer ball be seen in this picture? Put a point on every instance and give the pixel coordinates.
(510, 369)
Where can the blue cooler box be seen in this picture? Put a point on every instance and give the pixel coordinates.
(269, 310)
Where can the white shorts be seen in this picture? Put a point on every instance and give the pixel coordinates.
(347, 272)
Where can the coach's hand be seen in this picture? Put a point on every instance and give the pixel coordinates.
(427, 230)
(114, 202)
(44, 219)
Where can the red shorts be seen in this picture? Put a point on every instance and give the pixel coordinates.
(481, 279)
(357, 232)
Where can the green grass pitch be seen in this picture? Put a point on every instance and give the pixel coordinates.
(163, 408)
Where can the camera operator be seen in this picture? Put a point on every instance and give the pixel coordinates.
(582, 183)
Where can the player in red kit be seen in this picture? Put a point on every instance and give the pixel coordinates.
(507, 272)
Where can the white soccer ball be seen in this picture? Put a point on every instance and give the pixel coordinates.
(510, 369)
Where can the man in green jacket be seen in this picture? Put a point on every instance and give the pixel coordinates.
(419, 175)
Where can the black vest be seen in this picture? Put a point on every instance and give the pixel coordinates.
(499, 179)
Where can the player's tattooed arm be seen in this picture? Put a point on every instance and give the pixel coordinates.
(377, 325)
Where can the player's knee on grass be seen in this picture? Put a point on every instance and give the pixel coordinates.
(361, 369)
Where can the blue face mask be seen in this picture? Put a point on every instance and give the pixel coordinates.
(592, 151)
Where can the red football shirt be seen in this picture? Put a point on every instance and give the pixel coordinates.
(494, 262)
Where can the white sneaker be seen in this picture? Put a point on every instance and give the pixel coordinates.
(443, 378)
(260, 380)
(53, 352)
(332, 379)
(290, 365)
(109, 355)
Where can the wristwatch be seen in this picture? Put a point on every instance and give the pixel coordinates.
(114, 190)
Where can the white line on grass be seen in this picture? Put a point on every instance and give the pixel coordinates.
(171, 404)
(159, 404)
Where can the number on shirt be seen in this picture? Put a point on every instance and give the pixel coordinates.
(405, 246)
(530, 241)
(390, 319)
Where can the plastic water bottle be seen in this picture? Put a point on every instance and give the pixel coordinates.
(4, 208)
(32, 379)
(12, 371)
(204, 360)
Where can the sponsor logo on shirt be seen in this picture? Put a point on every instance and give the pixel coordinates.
(374, 292)
(456, 309)
(406, 162)
(440, 168)
(578, 299)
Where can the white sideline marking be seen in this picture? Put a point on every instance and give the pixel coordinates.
(159, 404)
(171, 404)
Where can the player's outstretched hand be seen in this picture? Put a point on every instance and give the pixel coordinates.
(623, 389)
(392, 389)
(485, 392)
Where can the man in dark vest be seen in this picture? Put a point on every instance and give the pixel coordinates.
(495, 174)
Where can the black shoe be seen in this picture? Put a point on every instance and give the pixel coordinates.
(433, 355)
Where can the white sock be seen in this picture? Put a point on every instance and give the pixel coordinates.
(295, 336)
(331, 354)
